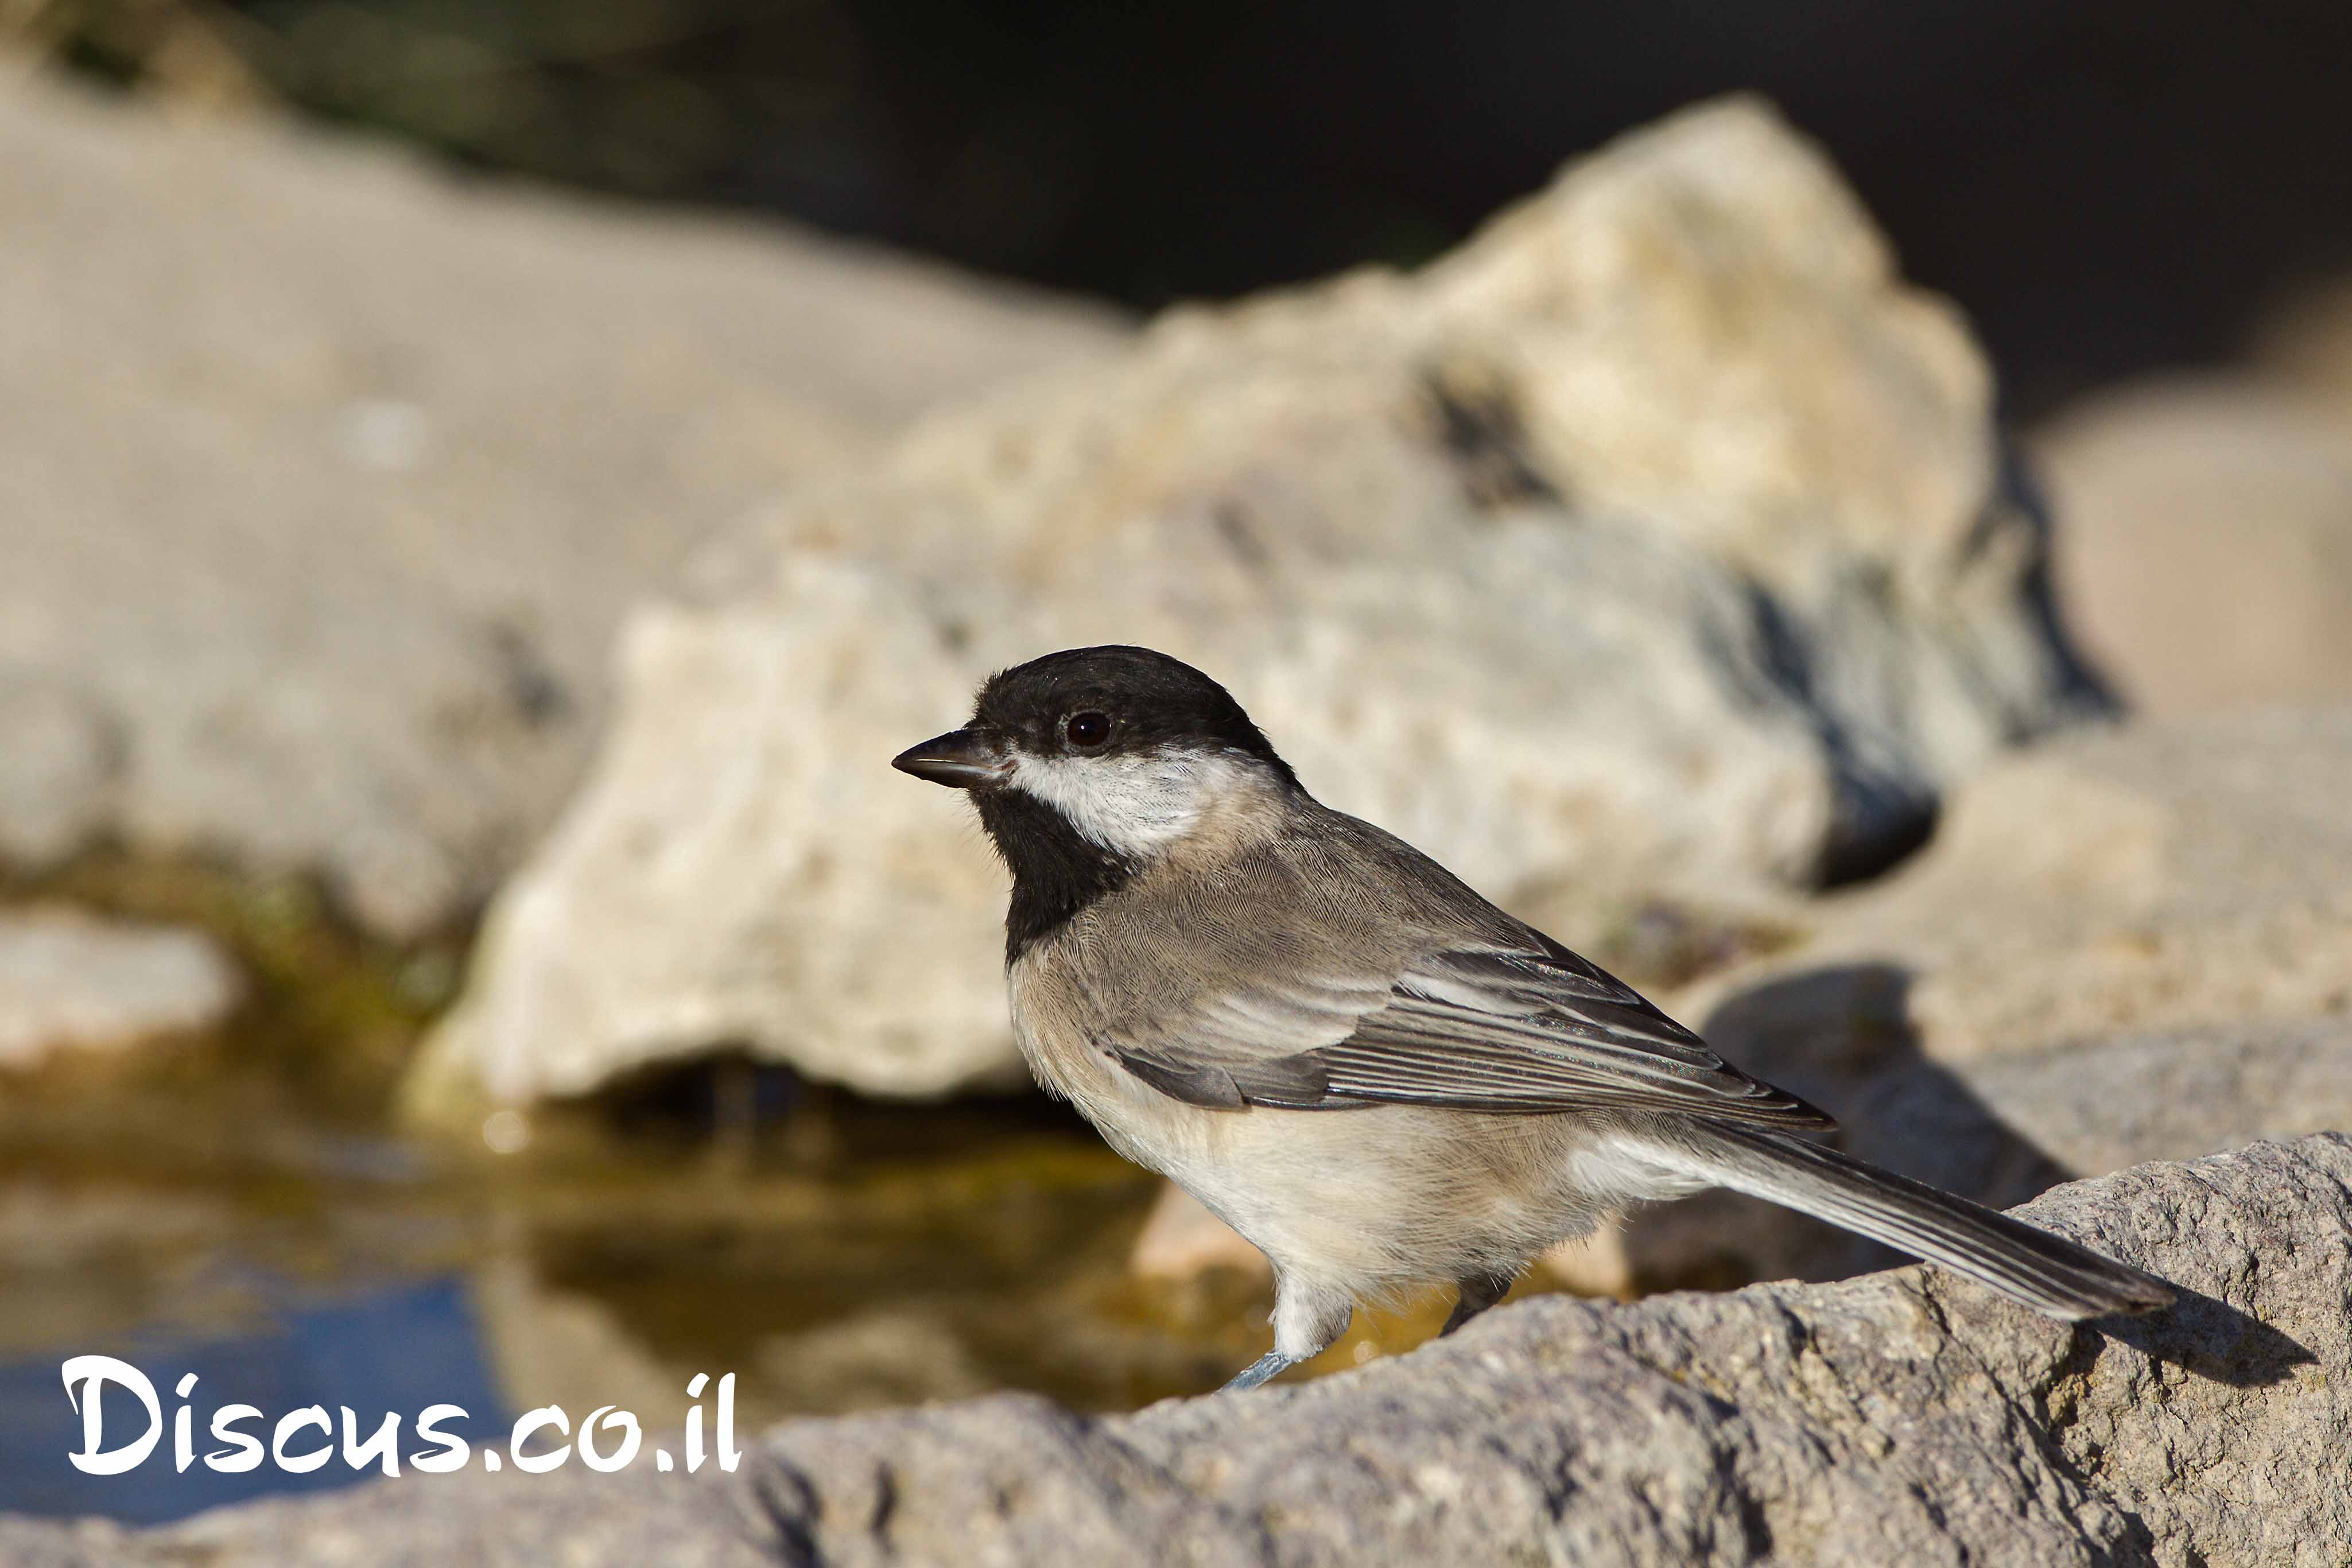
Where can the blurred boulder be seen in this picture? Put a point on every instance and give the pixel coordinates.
(69, 981)
(2129, 944)
(2205, 547)
(1181, 1239)
(1906, 1418)
(2170, 1094)
(325, 481)
(2183, 874)
(1659, 539)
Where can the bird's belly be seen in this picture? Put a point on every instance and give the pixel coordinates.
(1375, 1199)
(1381, 1197)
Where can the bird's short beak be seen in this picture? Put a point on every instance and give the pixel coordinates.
(961, 759)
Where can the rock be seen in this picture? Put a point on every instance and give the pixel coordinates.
(2168, 875)
(326, 479)
(72, 982)
(2206, 553)
(1908, 1417)
(2170, 1094)
(1657, 541)
(2129, 944)
(1181, 1239)
(1998, 1129)
(1758, 1426)
(57, 771)
(91, 1543)
(572, 1516)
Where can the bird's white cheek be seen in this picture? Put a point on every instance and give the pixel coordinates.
(1132, 806)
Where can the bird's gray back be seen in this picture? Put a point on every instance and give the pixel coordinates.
(1327, 966)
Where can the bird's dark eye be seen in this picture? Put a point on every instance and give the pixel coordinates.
(1086, 731)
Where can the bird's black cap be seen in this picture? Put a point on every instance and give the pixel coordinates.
(1151, 701)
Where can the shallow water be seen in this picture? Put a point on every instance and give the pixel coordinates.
(235, 1206)
(840, 1256)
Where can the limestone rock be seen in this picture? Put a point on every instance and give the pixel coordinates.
(1657, 539)
(1998, 1130)
(2169, 1094)
(1181, 1240)
(2129, 944)
(325, 481)
(71, 982)
(58, 766)
(2206, 552)
(2192, 873)
(1907, 1418)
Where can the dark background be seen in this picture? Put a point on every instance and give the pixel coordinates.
(2106, 185)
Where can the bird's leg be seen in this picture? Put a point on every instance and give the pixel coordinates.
(1271, 1364)
(1473, 1295)
(1307, 1318)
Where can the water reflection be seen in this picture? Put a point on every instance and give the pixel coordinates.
(903, 1255)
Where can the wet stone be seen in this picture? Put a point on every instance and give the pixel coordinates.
(73, 981)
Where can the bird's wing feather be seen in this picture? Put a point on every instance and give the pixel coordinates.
(1469, 1027)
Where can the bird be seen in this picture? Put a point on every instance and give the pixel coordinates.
(1378, 1077)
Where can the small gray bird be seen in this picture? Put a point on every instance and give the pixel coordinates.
(1379, 1078)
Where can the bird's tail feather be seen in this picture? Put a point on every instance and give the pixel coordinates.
(2032, 1267)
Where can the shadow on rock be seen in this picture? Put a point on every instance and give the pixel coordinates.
(2207, 1336)
(1840, 1037)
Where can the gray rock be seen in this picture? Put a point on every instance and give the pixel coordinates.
(2130, 944)
(2000, 1130)
(1904, 1419)
(72, 982)
(571, 1516)
(2189, 873)
(91, 1543)
(2206, 551)
(1657, 541)
(325, 481)
(2101, 1105)
(58, 769)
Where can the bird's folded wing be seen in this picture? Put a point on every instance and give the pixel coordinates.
(1470, 1028)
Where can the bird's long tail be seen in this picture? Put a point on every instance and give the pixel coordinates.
(2030, 1267)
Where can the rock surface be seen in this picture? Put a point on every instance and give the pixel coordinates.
(1657, 539)
(2130, 944)
(71, 982)
(1181, 1239)
(2155, 876)
(1904, 1419)
(326, 481)
(2206, 555)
